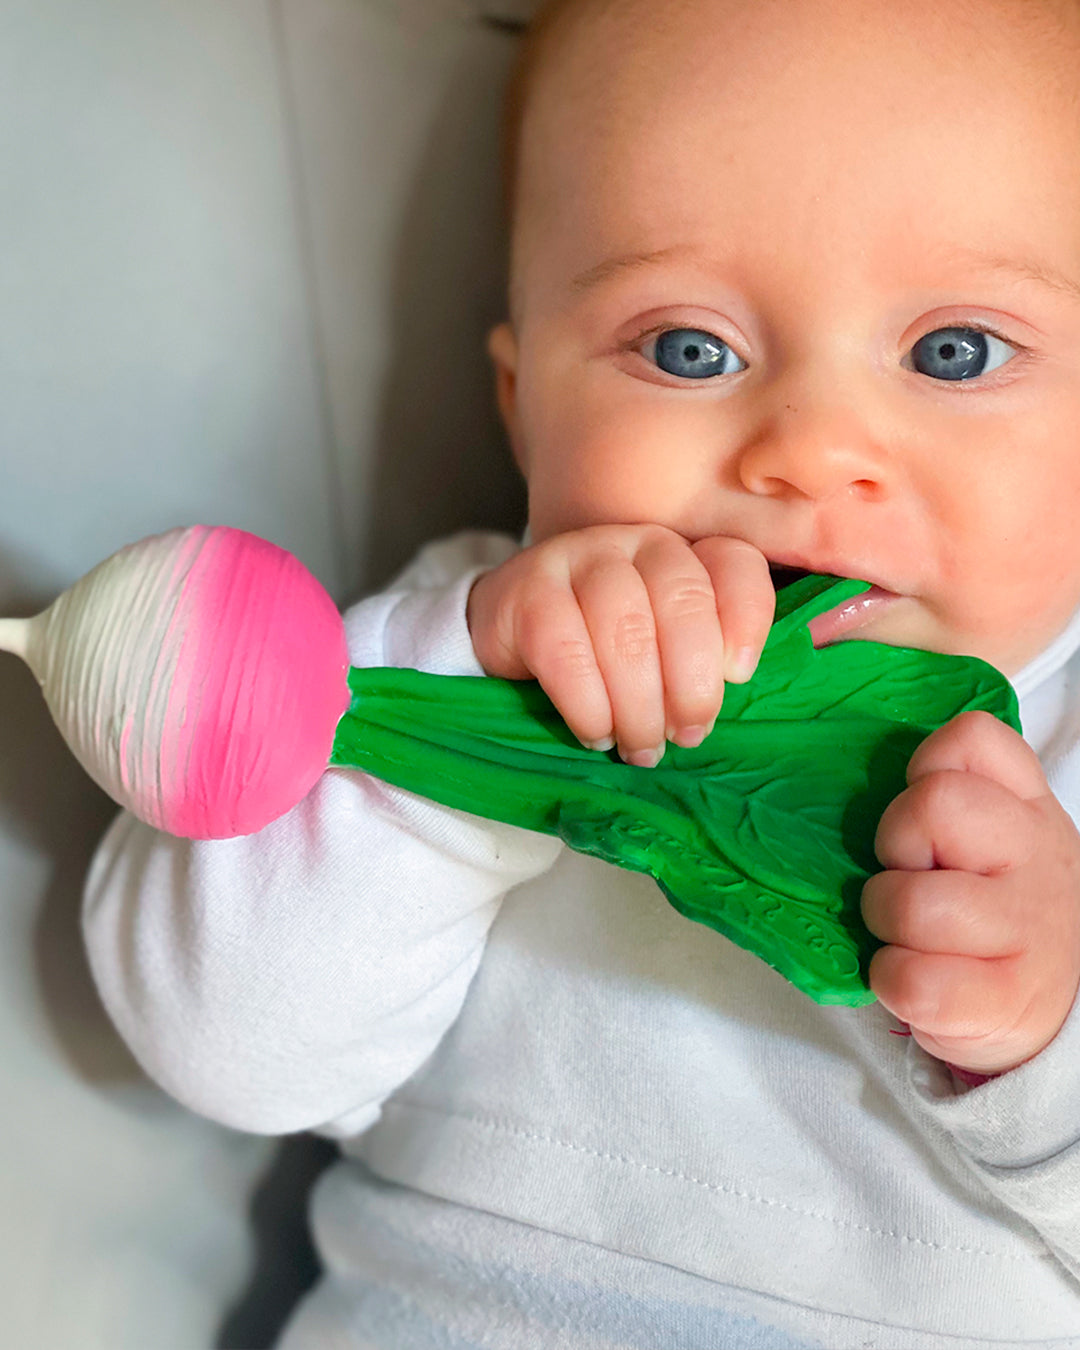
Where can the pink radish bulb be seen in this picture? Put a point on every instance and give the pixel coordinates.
(198, 676)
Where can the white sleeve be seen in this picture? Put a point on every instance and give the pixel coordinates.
(1020, 1133)
(294, 978)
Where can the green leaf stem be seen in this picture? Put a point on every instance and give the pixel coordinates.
(764, 832)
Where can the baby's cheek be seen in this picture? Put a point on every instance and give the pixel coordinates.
(1005, 620)
(1015, 599)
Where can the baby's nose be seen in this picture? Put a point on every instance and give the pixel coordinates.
(813, 455)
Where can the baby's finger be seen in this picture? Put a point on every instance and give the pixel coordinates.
(961, 1009)
(689, 640)
(553, 640)
(745, 600)
(978, 742)
(944, 912)
(618, 614)
(956, 820)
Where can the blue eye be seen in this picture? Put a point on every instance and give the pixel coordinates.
(959, 354)
(694, 355)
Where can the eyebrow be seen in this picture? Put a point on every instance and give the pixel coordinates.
(625, 262)
(1019, 269)
(1012, 267)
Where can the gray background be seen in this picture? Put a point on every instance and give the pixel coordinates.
(249, 250)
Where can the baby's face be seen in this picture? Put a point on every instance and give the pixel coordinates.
(758, 244)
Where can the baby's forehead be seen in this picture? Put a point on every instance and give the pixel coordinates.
(1039, 35)
(625, 108)
(587, 56)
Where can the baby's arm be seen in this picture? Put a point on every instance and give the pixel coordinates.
(630, 629)
(294, 978)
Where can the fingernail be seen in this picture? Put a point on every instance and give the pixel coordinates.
(645, 759)
(688, 737)
(744, 665)
(606, 744)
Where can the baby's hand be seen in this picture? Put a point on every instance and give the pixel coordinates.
(981, 902)
(630, 630)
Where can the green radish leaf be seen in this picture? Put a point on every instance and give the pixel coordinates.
(764, 832)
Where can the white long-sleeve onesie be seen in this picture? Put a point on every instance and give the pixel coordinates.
(569, 1116)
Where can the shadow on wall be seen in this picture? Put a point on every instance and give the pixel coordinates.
(285, 1261)
(47, 801)
(444, 464)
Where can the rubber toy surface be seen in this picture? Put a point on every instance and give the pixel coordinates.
(201, 678)
(764, 832)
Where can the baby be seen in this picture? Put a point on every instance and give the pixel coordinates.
(795, 284)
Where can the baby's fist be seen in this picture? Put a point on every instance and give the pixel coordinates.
(630, 629)
(980, 900)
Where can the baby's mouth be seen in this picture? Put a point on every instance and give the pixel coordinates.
(785, 576)
(846, 618)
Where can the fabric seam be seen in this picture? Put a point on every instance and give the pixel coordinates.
(502, 1127)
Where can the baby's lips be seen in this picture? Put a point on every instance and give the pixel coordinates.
(844, 618)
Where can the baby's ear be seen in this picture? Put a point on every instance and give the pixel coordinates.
(502, 348)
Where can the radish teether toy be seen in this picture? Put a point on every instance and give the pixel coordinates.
(202, 679)
(198, 677)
